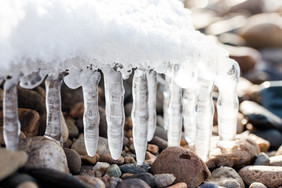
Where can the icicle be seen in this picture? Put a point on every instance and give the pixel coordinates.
(53, 107)
(32, 80)
(174, 112)
(204, 117)
(227, 105)
(189, 115)
(91, 116)
(12, 126)
(152, 90)
(114, 94)
(166, 94)
(140, 114)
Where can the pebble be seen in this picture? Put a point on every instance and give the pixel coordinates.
(87, 170)
(154, 149)
(133, 168)
(86, 159)
(262, 159)
(114, 182)
(136, 183)
(113, 171)
(29, 120)
(108, 158)
(263, 30)
(74, 160)
(161, 143)
(164, 180)
(150, 158)
(275, 160)
(241, 154)
(53, 178)
(226, 177)
(77, 110)
(270, 176)
(129, 159)
(73, 130)
(178, 185)
(272, 135)
(257, 185)
(44, 152)
(147, 177)
(11, 161)
(92, 181)
(161, 132)
(262, 143)
(102, 166)
(184, 164)
(209, 185)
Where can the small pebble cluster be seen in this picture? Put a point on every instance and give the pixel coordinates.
(255, 161)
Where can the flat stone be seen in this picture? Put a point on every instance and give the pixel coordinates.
(113, 171)
(86, 159)
(133, 168)
(184, 164)
(136, 183)
(270, 176)
(29, 120)
(73, 130)
(275, 160)
(257, 185)
(44, 152)
(74, 160)
(11, 161)
(241, 154)
(164, 180)
(262, 159)
(108, 158)
(226, 177)
(92, 181)
(147, 177)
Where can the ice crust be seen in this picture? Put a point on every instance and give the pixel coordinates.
(49, 34)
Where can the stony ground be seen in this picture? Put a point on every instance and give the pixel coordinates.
(251, 31)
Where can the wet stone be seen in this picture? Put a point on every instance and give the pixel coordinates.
(164, 180)
(73, 130)
(133, 168)
(91, 181)
(270, 176)
(147, 177)
(11, 161)
(44, 152)
(74, 160)
(226, 177)
(136, 183)
(113, 171)
(29, 120)
(184, 164)
(262, 159)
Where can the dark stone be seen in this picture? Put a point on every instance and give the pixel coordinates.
(17, 179)
(259, 116)
(53, 178)
(133, 168)
(147, 177)
(74, 160)
(208, 185)
(29, 120)
(272, 135)
(133, 183)
(161, 143)
(160, 132)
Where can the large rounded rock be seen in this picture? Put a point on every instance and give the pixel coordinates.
(226, 177)
(184, 164)
(270, 176)
(45, 153)
(11, 161)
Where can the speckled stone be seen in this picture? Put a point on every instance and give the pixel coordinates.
(113, 171)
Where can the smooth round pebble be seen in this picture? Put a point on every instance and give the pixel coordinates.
(164, 180)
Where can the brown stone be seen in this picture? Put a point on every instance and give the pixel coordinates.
(262, 143)
(29, 120)
(86, 159)
(270, 176)
(74, 160)
(44, 152)
(184, 164)
(92, 181)
(108, 158)
(154, 149)
(257, 185)
(241, 154)
(179, 185)
(129, 159)
(150, 158)
(77, 110)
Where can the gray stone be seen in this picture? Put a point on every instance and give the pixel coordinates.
(164, 180)
(133, 168)
(11, 161)
(136, 183)
(147, 177)
(74, 160)
(262, 159)
(113, 171)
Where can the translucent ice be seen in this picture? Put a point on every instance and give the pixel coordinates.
(114, 95)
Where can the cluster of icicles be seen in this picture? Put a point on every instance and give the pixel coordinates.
(56, 40)
(193, 104)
